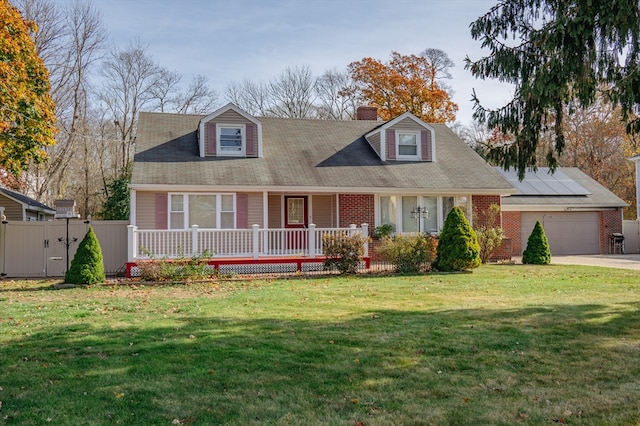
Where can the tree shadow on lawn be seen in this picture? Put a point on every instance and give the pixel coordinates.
(481, 366)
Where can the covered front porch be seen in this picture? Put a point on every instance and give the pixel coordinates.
(238, 250)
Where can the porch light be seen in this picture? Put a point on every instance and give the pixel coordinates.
(419, 213)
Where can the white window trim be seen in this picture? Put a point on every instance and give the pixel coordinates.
(223, 153)
(418, 155)
(441, 217)
(185, 209)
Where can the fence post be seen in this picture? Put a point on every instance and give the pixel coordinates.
(312, 240)
(365, 234)
(194, 240)
(132, 243)
(256, 241)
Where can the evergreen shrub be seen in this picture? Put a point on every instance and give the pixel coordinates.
(87, 266)
(458, 248)
(537, 251)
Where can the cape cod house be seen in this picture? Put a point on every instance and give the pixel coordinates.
(255, 190)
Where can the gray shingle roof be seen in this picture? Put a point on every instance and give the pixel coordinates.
(303, 154)
(30, 203)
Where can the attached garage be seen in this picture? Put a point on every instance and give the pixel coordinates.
(567, 232)
(577, 213)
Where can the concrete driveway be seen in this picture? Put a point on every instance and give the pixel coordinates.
(622, 261)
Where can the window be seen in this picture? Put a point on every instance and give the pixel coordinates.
(214, 211)
(399, 214)
(231, 140)
(408, 145)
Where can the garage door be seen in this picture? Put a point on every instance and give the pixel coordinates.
(567, 232)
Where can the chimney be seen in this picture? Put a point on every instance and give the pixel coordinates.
(367, 113)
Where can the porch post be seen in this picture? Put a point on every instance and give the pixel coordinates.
(365, 234)
(132, 243)
(194, 240)
(312, 240)
(256, 241)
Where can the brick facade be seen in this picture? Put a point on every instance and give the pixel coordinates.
(356, 209)
(610, 223)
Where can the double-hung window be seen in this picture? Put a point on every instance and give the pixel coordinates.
(231, 139)
(407, 145)
(213, 211)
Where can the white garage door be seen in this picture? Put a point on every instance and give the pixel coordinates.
(567, 232)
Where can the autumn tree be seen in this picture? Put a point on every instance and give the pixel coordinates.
(27, 112)
(406, 83)
(559, 55)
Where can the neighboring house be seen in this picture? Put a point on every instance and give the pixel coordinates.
(18, 207)
(578, 214)
(230, 171)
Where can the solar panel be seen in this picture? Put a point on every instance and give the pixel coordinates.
(543, 182)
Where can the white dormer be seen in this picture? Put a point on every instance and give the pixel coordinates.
(230, 132)
(405, 138)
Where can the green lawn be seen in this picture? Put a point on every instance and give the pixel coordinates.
(504, 345)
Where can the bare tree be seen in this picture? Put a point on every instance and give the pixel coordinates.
(335, 96)
(441, 64)
(130, 76)
(70, 40)
(197, 98)
(249, 96)
(292, 93)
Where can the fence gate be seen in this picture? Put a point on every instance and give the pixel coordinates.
(38, 249)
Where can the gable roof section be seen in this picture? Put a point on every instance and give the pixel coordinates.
(381, 130)
(218, 112)
(567, 189)
(304, 155)
(27, 203)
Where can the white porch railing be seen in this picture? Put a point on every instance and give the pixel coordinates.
(232, 243)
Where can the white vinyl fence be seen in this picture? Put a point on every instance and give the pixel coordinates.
(631, 232)
(39, 249)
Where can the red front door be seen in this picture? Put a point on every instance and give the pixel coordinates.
(296, 215)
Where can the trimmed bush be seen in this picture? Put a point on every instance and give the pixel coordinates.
(87, 266)
(458, 248)
(344, 251)
(537, 251)
(409, 254)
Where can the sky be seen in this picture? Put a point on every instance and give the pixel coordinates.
(233, 40)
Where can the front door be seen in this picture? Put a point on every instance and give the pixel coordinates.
(296, 217)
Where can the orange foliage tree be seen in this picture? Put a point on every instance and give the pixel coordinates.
(405, 83)
(27, 112)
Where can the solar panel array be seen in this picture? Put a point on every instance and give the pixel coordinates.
(543, 182)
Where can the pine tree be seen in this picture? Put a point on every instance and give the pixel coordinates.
(537, 251)
(87, 266)
(458, 248)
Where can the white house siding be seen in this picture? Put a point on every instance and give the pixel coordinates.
(567, 232)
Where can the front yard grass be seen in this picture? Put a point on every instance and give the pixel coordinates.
(504, 345)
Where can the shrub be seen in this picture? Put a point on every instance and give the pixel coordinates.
(87, 266)
(343, 251)
(181, 269)
(537, 251)
(409, 254)
(489, 234)
(458, 248)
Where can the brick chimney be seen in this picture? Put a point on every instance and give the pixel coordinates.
(367, 113)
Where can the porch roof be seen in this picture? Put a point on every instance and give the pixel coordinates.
(301, 154)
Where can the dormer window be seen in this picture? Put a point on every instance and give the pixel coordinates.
(231, 140)
(408, 145)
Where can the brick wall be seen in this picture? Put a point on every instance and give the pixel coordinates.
(481, 204)
(356, 209)
(511, 225)
(610, 223)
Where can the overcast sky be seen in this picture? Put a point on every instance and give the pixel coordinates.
(230, 40)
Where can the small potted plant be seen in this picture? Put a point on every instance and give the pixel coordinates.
(383, 231)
